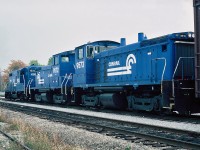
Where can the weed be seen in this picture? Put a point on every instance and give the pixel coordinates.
(128, 148)
(13, 146)
(12, 127)
(34, 138)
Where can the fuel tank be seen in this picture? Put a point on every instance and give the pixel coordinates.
(113, 100)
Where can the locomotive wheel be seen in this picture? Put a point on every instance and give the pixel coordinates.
(21, 97)
(26, 98)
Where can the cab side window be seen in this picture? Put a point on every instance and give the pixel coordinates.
(80, 53)
(64, 58)
(90, 52)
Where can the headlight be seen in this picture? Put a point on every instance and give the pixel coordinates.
(189, 35)
(193, 35)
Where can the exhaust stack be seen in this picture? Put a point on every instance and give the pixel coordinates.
(141, 37)
(123, 42)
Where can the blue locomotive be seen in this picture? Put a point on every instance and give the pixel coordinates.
(152, 75)
(20, 83)
(149, 75)
(52, 83)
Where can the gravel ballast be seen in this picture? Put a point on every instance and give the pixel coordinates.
(160, 123)
(75, 137)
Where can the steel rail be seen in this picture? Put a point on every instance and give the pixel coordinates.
(15, 140)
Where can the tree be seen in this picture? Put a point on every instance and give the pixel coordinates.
(14, 65)
(50, 61)
(34, 62)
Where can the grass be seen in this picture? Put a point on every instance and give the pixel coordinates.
(34, 138)
(11, 127)
(13, 146)
(128, 148)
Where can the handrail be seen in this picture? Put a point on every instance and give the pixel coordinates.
(27, 86)
(24, 85)
(62, 83)
(165, 61)
(178, 64)
(67, 82)
(175, 72)
(29, 89)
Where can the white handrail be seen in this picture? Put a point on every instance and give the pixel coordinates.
(175, 72)
(165, 61)
(27, 86)
(178, 64)
(67, 82)
(62, 83)
(29, 89)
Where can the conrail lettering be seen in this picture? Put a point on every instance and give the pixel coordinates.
(113, 63)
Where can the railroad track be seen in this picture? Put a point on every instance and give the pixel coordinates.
(194, 119)
(22, 146)
(133, 132)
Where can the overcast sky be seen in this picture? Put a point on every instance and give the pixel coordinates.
(37, 29)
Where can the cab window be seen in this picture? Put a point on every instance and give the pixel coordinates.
(80, 53)
(99, 49)
(64, 58)
(90, 52)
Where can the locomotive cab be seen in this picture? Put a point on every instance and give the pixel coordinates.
(84, 61)
(85, 70)
(61, 76)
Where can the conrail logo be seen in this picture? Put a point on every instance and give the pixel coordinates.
(115, 71)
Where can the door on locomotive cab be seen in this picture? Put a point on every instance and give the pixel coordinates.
(158, 63)
(23, 77)
(54, 78)
(89, 63)
(32, 74)
(79, 76)
(66, 69)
